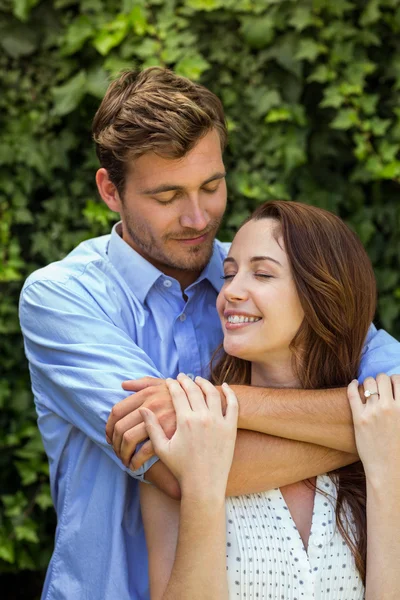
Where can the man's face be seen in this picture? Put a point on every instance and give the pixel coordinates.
(172, 208)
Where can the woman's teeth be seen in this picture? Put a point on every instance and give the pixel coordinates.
(241, 319)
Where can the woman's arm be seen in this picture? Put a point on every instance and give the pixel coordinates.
(186, 545)
(377, 431)
(191, 563)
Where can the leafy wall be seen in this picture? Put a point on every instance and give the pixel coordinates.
(311, 92)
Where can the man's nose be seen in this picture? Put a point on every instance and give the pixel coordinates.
(195, 216)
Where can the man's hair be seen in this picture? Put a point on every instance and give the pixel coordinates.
(153, 110)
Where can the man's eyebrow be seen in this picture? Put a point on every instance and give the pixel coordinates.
(169, 187)
(254, 259)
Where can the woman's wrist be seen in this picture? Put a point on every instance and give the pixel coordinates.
(202, 493)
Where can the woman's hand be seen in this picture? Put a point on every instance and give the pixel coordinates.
(200, 452)
(377, 426)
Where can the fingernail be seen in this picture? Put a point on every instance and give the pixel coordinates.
(108, 440)
(225, 384)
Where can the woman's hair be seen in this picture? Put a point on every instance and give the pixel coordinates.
(337, 290)
(153, 110)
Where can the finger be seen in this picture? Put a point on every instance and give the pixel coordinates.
(355, 401)
(395, 379)
(155, 433)
(179, 399)
(232, 404)
(193, 393)
(370, 385)
(122, 427)
(384, 386)
(135, 385)
(130, 440)
(120, 410)
(142, 455)
(212, 395)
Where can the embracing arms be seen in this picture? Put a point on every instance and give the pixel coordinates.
(262, 460)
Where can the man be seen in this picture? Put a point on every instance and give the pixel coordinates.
(140, 303)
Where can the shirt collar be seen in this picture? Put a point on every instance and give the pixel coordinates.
(141, 275)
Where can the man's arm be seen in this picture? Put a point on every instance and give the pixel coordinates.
(261, 461)
(321, 417)
(78, 358)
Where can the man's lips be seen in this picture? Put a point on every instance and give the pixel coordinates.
(196, 240)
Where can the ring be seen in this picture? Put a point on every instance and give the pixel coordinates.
(368, 394)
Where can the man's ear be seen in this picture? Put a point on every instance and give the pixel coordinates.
(108, 191)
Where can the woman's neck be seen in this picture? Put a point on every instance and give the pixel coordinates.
(276, 374)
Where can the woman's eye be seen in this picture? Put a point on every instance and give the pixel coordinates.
(263, 275)
(227, 276)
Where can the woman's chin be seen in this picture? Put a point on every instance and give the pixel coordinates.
(237, 350)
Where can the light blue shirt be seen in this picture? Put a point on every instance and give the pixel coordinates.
(102, 315)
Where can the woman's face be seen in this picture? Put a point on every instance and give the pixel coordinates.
(258, 305)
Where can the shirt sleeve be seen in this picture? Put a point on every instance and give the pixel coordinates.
(381, 354)
(78, 359)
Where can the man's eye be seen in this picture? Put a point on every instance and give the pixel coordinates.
(210, 191)
(167, 200)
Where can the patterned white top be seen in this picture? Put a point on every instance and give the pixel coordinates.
(266, 558)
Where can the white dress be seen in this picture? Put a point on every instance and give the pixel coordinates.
(266, 558)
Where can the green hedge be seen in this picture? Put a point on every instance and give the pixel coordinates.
(311, 93)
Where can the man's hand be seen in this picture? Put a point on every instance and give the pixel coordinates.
(125, 428)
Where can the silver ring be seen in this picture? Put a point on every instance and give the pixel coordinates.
(368, 394)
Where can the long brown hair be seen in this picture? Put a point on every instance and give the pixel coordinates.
(337, 290)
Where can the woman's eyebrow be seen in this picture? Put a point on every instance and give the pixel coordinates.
(260, 258)
(254, 259)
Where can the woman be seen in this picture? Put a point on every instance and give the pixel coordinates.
(298, 298)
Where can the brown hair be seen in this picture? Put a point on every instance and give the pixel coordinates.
(337, 290)
(153, 110)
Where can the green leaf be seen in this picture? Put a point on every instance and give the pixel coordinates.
(303, 17)
(278, 114)
(97, 82)
(192, 66)
(207, 5)
(7, 550)
(309, 49)
(345, 119)
(332, 98)
(258, 32)
(370, 14)
(322, 74)
(112, 34)
(22, 8)
(18, 42)
(27, 532)
(77, 34)
(138, 20)
(68, 96)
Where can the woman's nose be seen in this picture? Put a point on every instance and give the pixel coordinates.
(235, 291)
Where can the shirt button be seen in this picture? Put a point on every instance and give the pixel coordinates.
(167, 283)
(182, 317)
(190, 375)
